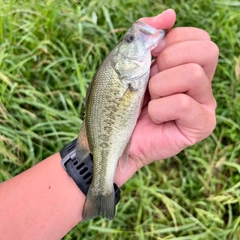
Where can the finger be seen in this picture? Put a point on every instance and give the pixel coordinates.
(188, 78)
(203, 53)
(182, 34)
(164, 20)
(153, 69)
(195, 121)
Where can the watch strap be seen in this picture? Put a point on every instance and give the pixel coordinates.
(81, 170)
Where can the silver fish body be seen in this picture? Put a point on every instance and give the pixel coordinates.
(112, 108)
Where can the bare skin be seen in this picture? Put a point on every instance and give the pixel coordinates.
(179, 111)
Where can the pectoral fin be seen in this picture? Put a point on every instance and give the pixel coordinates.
(82, 150)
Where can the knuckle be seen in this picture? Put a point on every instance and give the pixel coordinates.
(196, 71)
(211, 125)
(212, 49)
(152, 86)
(198, 77)
(214, 103)
(214, 124)
(205, 35)
(215, 50)
(192, 141)
(166, 58)
(184, 102)
(151, 111)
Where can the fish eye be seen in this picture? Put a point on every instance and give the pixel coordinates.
(129, 38)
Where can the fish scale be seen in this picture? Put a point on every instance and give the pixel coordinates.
(113, 105)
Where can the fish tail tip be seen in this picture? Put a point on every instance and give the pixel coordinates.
(103, 206)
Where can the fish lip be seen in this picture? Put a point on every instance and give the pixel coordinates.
(148, 29)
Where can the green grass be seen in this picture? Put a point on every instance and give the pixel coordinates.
(49, 52)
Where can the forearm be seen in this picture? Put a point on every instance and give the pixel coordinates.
(44, 202)
(41, 203)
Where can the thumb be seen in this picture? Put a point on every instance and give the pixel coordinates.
(164, 20)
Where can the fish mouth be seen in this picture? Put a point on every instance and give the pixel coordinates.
(149, 30)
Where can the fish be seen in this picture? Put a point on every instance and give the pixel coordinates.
(113, 105)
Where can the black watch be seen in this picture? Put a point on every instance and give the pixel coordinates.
(80, 171)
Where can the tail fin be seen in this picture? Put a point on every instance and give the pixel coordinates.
(99, 205)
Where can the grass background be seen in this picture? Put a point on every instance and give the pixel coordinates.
(49, 52)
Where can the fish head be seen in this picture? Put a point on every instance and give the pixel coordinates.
(133, 54)
(146, 37)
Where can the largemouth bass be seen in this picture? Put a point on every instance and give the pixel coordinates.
(113, 105)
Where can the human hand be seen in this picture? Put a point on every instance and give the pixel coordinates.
(179, 107)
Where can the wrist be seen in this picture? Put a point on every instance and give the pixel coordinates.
(80, 168)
